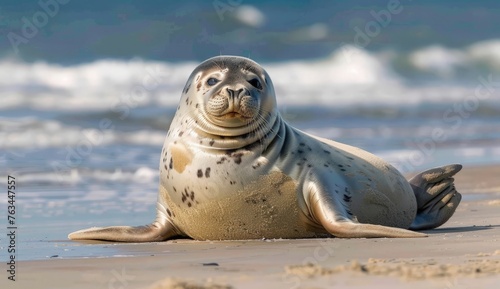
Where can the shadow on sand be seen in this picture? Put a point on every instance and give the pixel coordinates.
(460, 229)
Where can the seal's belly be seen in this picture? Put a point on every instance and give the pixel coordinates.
(265, 208)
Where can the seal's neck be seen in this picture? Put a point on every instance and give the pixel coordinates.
(257, 134)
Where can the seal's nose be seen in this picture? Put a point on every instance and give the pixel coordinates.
(234, 93)
(234, 97)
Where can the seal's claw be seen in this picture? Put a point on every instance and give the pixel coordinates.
(436, 174)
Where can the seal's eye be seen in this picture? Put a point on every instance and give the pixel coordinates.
(255, 83)
(212, 81)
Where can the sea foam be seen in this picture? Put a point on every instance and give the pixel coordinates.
(350, 76)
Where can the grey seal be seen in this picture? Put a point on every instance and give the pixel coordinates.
(232, 168)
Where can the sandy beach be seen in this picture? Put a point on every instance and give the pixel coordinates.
(464, 253)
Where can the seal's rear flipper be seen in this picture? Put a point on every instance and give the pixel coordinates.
(154, 232)
(437, 198)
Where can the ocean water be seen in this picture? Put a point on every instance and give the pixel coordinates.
(83, 138)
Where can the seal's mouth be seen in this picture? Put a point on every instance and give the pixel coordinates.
(235, 114)
(230, 119)
(232, 115)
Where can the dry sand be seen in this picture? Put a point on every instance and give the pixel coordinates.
(464, 253)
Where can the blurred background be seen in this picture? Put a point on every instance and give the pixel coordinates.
(88, 89)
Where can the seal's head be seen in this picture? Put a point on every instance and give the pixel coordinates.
(230, 94)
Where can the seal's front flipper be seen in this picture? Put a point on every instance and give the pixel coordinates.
(437, 198)
(160, 230)
(350, 229)
(332, 215)
(155, 232)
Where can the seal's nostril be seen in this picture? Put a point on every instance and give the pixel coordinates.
(230, 92)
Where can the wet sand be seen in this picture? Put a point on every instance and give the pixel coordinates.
(464, 253)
